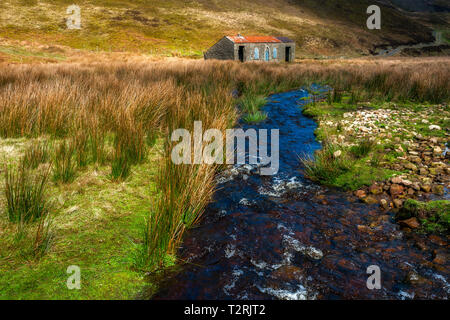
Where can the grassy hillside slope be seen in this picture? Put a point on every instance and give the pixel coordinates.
(189, 27)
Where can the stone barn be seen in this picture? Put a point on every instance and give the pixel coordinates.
(253, 48)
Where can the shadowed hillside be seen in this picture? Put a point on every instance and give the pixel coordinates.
(188, 28)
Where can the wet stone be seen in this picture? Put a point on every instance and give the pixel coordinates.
(412, 223)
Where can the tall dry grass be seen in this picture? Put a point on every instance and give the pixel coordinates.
(131, 103)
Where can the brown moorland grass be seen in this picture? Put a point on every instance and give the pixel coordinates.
(127, 104)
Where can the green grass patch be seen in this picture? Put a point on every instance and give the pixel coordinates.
(338, 166)
(433, 215)
(23, 55)
(326, 109)
(255, 117)
(96, 225)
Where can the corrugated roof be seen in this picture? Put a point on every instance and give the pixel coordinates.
(285, 39)
(253, 39)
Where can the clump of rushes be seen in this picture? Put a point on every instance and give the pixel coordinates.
(34, 239)
(334, 96)
(130, 146)
(120, 165)
(327, 164)
(363, 148)
(185, 190)
(151, 138)
(97, 143)
(255, 117)
(25, 194)
(251, 104)
(354, 98)
(133, 141)
(36, 154)
(43, 236)
(64, 167)
(80, 143)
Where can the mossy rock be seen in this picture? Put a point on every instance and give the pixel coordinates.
(433, 215)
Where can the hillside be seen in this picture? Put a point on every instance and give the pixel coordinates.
(423, 5)
(36, 29)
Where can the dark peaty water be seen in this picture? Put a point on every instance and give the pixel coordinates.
(283, 237)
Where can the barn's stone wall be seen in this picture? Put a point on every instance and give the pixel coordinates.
(222, 50)
(249, 51)
(226, 49)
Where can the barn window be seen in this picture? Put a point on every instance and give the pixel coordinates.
(266, 54)
(274, 54)
(256, 55)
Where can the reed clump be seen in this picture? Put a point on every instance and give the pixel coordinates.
(25, 194)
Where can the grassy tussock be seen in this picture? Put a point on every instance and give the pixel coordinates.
(36, 154)
(345, 167)
(64, 168)
(326, 165)
(25, 194)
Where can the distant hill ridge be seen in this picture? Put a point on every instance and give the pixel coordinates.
(190, 27)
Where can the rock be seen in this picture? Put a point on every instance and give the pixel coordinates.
(314, 253)
(287, 273)
(363, 228)
(415, 279)
(360, 194)
(384, 204)
(437, 240)
(437, 150)
(423, 171)
(421, 245)
(426, 180)
(410, 166)
(426, 187)
(396, 190)
(375, 189)
(434, 127)
(440, 258)
(438, 189)
(337, 154)
(370, 200)
(416, 186)
(406, 183)
(415, 159)
(411, 223)
(398, 203)
(396, 180)
(347, 264)
(425, 121)
(434, 140)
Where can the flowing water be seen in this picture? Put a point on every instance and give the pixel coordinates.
(284, 237)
